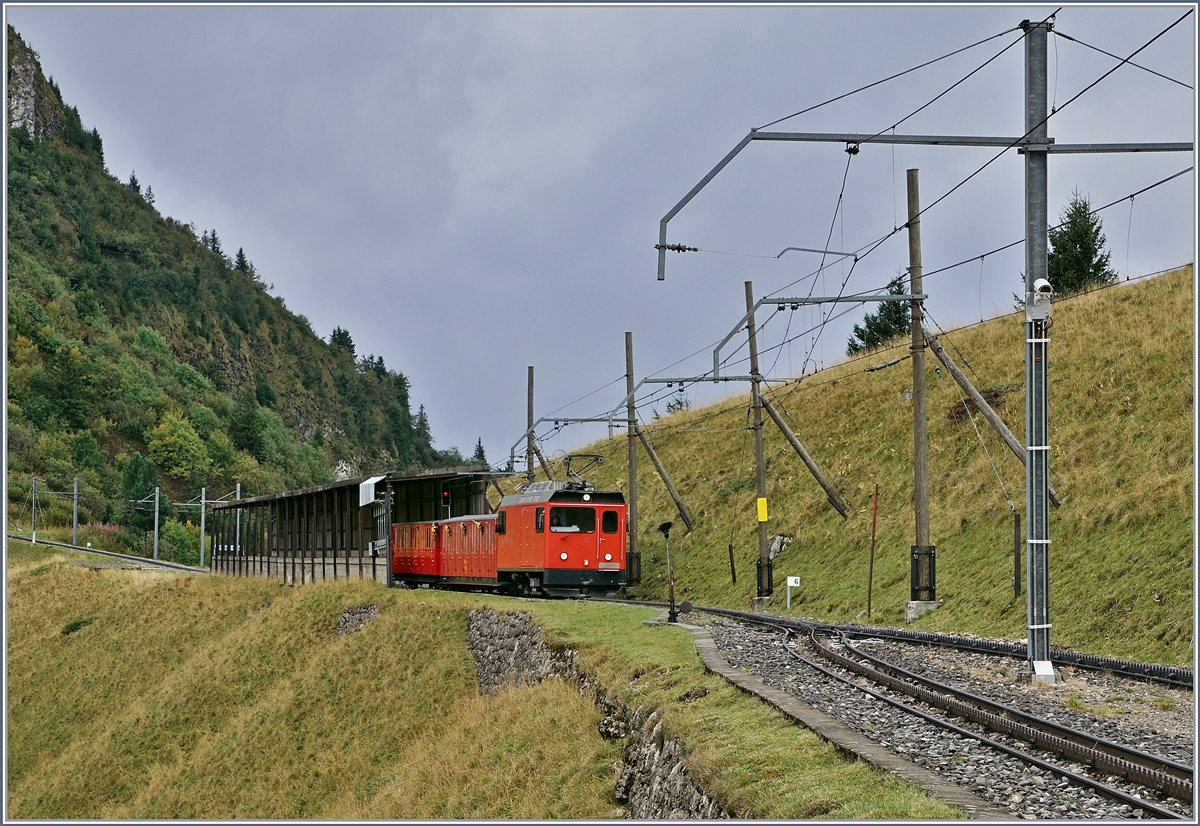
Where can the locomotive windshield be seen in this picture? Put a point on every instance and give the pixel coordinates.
(572, 520)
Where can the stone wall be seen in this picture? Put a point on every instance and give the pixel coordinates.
(510, 649)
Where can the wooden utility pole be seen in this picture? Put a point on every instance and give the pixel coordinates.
(542, 459)
(923, 576)
(825, 484)
(631, 433)
(529, 445)
(765, 584)
(983, 407)
(684, 513)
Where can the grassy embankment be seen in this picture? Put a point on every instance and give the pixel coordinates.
(1121, 434)
(136, 694)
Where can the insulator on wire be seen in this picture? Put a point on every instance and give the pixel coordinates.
(676, 248)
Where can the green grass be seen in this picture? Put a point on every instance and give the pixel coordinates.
(206, 697)
(1121, 413)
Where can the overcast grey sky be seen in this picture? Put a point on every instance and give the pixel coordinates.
(473, 190)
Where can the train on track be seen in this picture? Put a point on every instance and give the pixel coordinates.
(554, 538)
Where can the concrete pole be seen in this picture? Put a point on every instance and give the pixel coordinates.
(1036, 343)
(530, 447)
(825, 484)
(983, 407)
(765, 584)
(156, 523)
(237, 535)
(684, 513)
(75, 513)
(631, 413)
(203, 502)
(34, 525)
(923, 575)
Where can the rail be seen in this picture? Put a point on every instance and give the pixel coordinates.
(158, 563)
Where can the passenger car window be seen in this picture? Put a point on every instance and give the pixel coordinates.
(539, 520)
(572, 520)
(608, 522)
(500, 521)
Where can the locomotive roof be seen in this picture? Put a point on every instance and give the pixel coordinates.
(565, 496)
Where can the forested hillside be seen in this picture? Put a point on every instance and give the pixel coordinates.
(142, 353)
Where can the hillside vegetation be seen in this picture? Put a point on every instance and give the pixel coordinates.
(136, 694)
(142, 354)
(1121, 413)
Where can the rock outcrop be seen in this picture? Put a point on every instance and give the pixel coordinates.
(510, 649)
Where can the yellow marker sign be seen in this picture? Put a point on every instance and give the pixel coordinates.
(762, 509)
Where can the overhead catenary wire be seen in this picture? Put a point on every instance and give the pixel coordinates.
(1039, 124)
(945, 91)
(889, 78)
(1068, 37)
(930, 273)
(586, 395)
(870, 247)
(863, 252)
(1018, 242)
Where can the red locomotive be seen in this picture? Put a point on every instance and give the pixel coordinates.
(562, 539)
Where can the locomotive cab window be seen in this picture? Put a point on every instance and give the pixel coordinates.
(608, 522)
(539, 520)
(500, 521)
(572, 520)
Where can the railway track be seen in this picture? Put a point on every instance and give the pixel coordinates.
(1077, 758)
(1113, 759)
(141, 560)
(1168, 675)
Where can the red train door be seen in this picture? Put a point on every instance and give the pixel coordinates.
(611, 551)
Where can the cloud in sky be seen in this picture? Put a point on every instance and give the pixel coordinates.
(473, 190)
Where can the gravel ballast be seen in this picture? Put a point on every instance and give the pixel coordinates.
(1153, 719)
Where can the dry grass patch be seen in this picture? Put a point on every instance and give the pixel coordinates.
(207, 697)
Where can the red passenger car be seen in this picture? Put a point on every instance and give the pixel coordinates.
(459, 551)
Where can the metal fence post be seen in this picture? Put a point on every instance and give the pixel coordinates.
(156, 523)
(201, 527)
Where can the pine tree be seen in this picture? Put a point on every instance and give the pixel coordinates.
(479, 457)
(214, 243)
(892, 319)
(1077, 259)
(422, 424)
(133, 183)
(246, 428)
(243, 264)
(341, 338)
(150, 195)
